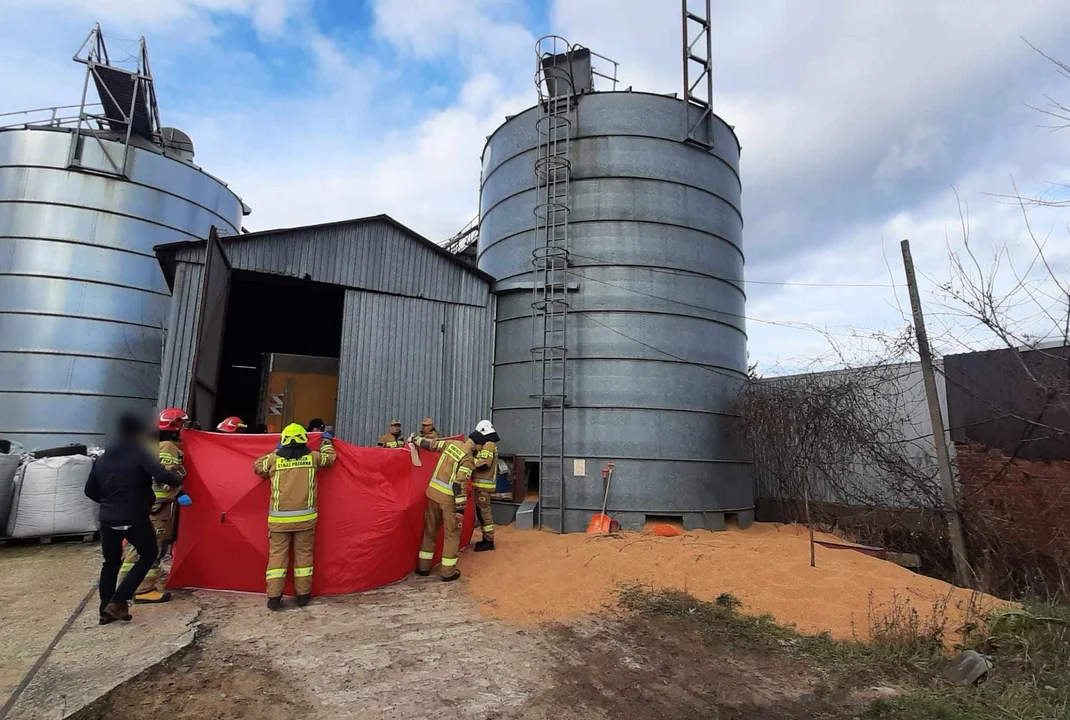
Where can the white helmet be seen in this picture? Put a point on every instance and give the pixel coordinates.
(484, 433)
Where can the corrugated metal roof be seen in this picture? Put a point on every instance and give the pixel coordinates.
(375, 253)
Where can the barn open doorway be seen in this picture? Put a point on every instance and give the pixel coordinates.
(274, 314)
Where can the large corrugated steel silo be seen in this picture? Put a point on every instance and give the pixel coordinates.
(82, 298)
(656, 338)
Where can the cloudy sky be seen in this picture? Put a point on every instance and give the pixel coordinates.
(860, 121)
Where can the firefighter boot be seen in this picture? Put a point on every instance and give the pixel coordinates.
(274, 603)
(484, 545)
(303, 600)
(152, 596)
(451, 578)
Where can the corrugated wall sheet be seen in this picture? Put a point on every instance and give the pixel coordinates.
(179, 333)
(407, 358)
(907, 413)
(1000, 399)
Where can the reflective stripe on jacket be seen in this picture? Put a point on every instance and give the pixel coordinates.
(450, 479)
(293, 487)
(485, 476)
(389, 441)
(171, 458)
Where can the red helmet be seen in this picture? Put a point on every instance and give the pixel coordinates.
(173, 419)
(231, 425)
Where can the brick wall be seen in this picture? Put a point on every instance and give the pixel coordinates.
(1026, 502)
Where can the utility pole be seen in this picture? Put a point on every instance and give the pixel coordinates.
(963, 574)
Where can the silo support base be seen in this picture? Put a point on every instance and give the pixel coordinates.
(706, 520)
(576, 520)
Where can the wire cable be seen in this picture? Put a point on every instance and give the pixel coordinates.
(790, 324)
(738, 375)
(674, 271)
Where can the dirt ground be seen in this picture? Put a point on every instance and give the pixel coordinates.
(427, 649)
(421, 649)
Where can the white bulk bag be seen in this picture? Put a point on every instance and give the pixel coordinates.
(9, 465)
(50, 498)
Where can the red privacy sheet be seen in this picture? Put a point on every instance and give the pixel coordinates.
(371, 508)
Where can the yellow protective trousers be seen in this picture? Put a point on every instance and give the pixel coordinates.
(279, 544)
(441, 515)
(483, 514)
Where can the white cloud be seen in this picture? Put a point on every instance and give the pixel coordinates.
(923, 146)
(472, 34)
(364, 144)
(269, 17)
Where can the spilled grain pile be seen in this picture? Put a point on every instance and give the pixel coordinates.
(536, 577)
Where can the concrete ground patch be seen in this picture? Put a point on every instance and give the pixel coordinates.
(39, 588)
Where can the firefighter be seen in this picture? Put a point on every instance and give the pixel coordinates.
(291, 468)
(484, 481)
(232, 424)
(428, 429)
(447, 495)
(393, 438)
(153, 588)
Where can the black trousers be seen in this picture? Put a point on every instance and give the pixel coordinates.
(143, 538)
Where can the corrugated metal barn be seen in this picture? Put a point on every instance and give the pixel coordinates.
(411, 324)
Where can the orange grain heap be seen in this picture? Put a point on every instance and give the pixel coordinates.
(536, 577)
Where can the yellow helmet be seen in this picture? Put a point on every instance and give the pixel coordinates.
(294, 434)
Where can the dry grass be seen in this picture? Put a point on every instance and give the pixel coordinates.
(908, 650)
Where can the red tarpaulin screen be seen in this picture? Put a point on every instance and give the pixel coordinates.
(371, 506)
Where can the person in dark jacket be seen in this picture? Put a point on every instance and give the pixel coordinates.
(121, 482)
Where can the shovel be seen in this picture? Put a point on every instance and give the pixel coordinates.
(601, 523)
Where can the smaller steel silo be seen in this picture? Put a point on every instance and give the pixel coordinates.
(612, 224)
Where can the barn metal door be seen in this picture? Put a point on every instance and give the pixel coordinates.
(211, 323)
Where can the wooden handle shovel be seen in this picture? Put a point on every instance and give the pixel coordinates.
(414, 455)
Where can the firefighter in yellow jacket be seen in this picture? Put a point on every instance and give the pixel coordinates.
(484, 481)
(393, 438)
(447, 495)
(291, 468)
(153, 588)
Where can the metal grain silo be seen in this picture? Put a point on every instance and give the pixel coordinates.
(655, 343)
(83, 200)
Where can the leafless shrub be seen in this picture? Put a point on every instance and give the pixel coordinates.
(850, 436)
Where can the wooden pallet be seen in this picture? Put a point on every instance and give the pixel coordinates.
(49, 539)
